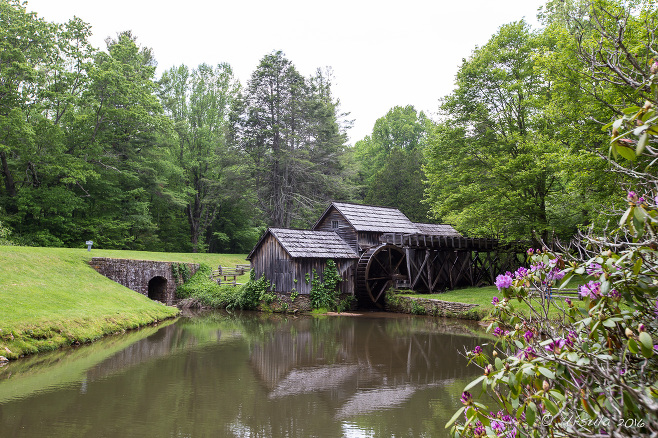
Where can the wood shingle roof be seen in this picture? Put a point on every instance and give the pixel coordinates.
(315, 244)
(377, 219)
(437, 230)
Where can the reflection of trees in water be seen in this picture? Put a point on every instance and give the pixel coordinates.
(293, 355)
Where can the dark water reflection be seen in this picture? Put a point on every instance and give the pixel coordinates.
(247, 375)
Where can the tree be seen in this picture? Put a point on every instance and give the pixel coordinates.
(286, 128)
(25, 42)
(391, 161)
(199, 102)
(585, 95)
(493, 163)
(117, 128)
(42, 76)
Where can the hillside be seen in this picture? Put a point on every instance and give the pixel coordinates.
(51, 297)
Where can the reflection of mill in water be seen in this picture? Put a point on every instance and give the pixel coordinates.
(359, 374)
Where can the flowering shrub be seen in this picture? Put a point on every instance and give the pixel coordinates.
(567, 370)
(573, 371)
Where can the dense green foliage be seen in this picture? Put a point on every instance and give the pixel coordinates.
(203, 291)
(324, 294)
(566, 371)
(94, 147)
(500, 165)
(324, 291)
(388, 165)
(252, 293)
(210, 189)
(492, 154)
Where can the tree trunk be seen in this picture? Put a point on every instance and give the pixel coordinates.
(10, 185)
(194, 219)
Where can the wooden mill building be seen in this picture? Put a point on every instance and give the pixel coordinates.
(375, 248)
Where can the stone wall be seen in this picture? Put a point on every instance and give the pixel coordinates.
(283, 303)
(154, 279)
(426, 306)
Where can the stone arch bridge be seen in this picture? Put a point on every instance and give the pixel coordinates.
(156, 280)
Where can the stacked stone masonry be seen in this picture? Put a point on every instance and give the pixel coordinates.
(283, 302)
(154, 279)
(430, 306)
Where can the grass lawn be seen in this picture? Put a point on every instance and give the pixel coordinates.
(472, 295)
(51, 297)
(482, 296)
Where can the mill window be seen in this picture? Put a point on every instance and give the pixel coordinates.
(334, 225)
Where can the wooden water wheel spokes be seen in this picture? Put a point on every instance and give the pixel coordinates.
(380, 268)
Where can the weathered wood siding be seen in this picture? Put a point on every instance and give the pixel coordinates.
(344, 229)
(368, 239)
(268, 258)
(274, 262)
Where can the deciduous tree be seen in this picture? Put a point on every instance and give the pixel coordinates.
(493, 163)
(199, 102)
(390, 162)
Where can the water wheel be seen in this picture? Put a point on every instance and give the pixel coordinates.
(379, 268)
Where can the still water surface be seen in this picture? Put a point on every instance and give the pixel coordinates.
(247, 375)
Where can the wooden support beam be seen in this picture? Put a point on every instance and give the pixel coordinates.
(407, 253)
(428, 268)
(417, 272)
(463, 259)
(437, 256)
(420, 271)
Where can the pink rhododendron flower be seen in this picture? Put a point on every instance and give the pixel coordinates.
(591, 290)
(504, 281)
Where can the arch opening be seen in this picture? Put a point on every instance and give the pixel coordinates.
(158, 289)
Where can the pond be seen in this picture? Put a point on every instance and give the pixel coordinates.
(248, 375)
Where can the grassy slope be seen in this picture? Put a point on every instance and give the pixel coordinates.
(482, 296)
(51, 297)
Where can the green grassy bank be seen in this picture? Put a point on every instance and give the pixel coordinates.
(51, 297)
(482, 296)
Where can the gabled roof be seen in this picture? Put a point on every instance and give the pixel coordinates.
(437, 230)
(304, 243)
(370, 218)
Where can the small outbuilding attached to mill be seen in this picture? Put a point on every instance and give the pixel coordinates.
(287, 257)
(376, 248)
